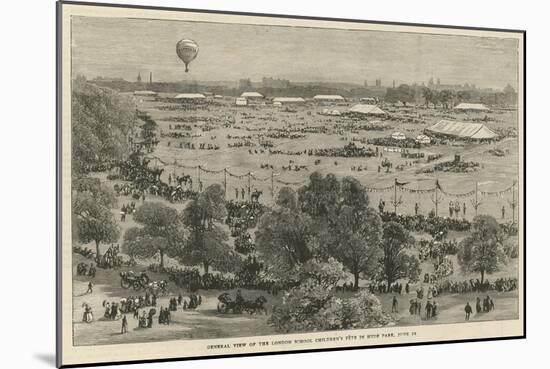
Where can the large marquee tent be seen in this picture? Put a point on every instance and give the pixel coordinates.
(473, 131)
(471, 107)
(366, 109)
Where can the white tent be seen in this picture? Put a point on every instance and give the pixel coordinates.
(423, 139)
(471, 107)
(366, 109)
(241, 101)
(190, 97)
(476, 131)
(145, 93)
(252, 95)
(277, 103)
(398, 136)
(369, 100)
(328, 98)
(289, 100)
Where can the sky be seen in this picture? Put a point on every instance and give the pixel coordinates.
(121, 47)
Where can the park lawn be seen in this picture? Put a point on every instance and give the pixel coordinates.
(206, 322)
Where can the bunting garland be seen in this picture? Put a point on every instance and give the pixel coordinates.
(396, 185)
(384, 189)
(291, 183)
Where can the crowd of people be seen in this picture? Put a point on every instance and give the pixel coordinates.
(498, 285)
(111, 258)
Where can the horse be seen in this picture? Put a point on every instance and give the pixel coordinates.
(255, 196)
(256, 306)
(226, 304)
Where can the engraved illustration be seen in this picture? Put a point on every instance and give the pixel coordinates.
(237, 180)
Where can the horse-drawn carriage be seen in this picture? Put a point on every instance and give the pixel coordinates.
(136, 281)
(227, 304)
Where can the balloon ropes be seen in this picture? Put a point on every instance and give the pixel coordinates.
(187, 51)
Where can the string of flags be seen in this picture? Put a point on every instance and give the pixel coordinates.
(401, 186)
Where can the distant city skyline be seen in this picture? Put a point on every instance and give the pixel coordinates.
(122, 48)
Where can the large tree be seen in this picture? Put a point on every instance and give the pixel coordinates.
(206, 243)
(283, 239)
(482, 251)
(160, 234)
(357, 239)
(320, 196)
(92, 216)
(396, 263)
(103, 121)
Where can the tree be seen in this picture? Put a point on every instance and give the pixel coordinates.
(357, 241)
(483, 251)
(395, 262)
(287, 198)
(206, 243)
(283, 238)
(320, 196)
(428, 96)
(161, 232)
(102, 125)
(446, 97)
(92, 216)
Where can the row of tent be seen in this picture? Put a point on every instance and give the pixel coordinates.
(368, 108)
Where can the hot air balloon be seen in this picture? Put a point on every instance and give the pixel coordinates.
(187, 51)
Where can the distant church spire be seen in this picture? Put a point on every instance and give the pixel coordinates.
(139, 77)
(150, 78)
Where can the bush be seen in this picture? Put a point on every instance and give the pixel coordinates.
(313, 307)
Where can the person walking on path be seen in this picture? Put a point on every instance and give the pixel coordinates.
(468, 311)
(124, 328)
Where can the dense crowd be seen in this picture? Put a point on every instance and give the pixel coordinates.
(499, 285)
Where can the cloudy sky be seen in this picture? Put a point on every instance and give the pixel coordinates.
(123, 47)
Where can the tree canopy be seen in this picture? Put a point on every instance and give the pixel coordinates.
(483, 251)
(102, 123)
(92, 216)
(161, 232)
(395, 262)
(207, 241)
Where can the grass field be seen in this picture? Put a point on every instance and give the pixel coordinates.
(206, 322)
(496, 173)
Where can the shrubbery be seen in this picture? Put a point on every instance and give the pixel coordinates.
(312, 306)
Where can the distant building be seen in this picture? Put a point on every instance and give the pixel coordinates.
(139, 77)
(328, 98)
(378, 82)
(471, 107)
(245, 84)
(150, 78)
(288, 100)
(268, 82)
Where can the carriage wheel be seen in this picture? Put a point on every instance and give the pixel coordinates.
(124, 283)
(137, 286)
